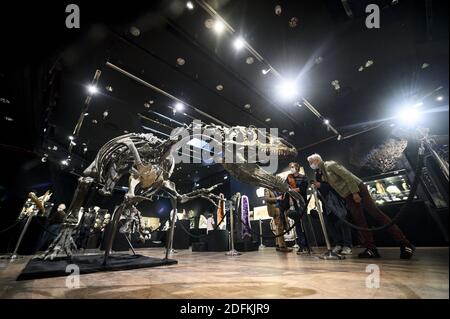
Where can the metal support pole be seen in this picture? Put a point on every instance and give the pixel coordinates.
(169, 244)
(113, 228)
(22, 234)
(426, 142)
(232, 251)
(442, 164)
(129, 243)
(172, 232)
(261, 245)
(329, 255)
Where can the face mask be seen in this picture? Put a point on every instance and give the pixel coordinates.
(293, 170)
(314, 166)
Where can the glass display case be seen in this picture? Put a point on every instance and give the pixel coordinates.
(392, 187)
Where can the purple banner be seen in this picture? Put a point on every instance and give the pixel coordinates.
(245, 215)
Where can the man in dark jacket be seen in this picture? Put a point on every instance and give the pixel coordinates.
(335, 209)
(357, 197)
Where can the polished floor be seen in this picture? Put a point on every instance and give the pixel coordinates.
(260, 274)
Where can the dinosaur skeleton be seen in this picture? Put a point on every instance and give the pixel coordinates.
(149, 162)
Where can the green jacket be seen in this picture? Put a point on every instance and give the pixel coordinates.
(341, 179)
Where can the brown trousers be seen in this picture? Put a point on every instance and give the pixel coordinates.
(279, 227)
(356, 209)
(274, 212)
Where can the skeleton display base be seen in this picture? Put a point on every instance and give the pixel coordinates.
(58, 267)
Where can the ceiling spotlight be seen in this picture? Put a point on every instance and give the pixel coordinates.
(219, 26)
(135, 31)
(288, 90)
(9, 119)
(336, 85)
(225, 177)
(65, 162)
(71, 138)
(92, 89)
(179, 106)
(278, 10)
(85, 150)
(247, 106)
(439, 98)
(190, 5)
(265, 71)
(408, 116)
(326, 122)
(181, 61)
(249, 60)
(268, 119)
(369, 63)
(293, 22)
(219, 87)
(239, 43)
(209, 23)
(291, 133)
(109, 88)
(318, 60)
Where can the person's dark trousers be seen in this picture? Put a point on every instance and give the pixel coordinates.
(301, 240)
(341, 233)
(356, 209)
(299, 227)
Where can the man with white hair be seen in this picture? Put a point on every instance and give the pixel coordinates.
(357, 197)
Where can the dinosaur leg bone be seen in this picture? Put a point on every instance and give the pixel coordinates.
(205, 193)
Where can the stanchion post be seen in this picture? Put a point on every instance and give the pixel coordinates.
(169, 245)
(261, 245)
(22, 234)
(172, 231)
(232, 251)
(329, 255)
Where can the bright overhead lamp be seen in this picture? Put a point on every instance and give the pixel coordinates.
(218, 26)
(92, 89)
(239, 43)
(288, 90)
(190, 5)
(408, 116)
(179, 106)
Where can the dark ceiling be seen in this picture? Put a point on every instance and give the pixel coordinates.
(326, 45)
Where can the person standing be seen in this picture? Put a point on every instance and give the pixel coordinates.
(272, 201)
(335, 211)
(298, 183)
(210, 223)
(350, 187)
